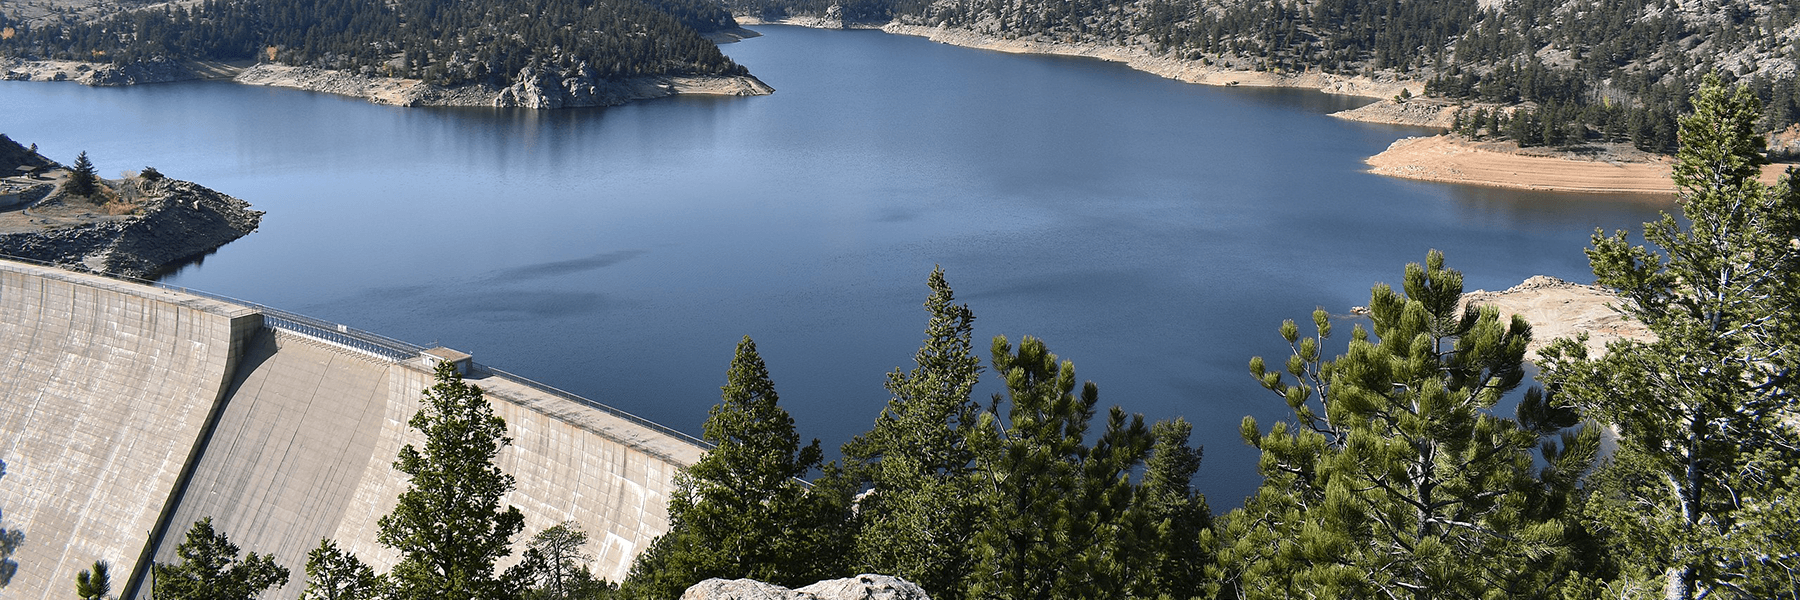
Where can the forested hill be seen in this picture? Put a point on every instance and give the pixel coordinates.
(446, 42)
(1589, 69)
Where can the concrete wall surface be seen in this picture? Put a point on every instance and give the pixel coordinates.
(104, 389)
(121, 403)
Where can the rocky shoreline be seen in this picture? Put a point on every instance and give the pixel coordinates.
(1190, 71)
(543, 89)
(540, 88)
(136, 227)
(179, 220)
(1418, 112)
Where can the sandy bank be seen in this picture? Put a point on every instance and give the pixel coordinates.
(1454, 159)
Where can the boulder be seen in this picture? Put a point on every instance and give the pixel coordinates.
(739, 589)
(866, 587)
(860, 587)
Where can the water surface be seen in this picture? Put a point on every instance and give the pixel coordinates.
(1154, 232)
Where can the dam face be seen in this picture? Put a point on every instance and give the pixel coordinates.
(128, 411)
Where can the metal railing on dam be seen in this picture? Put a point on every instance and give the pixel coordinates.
(380, 345)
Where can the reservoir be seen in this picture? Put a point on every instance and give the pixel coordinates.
(1156, 233)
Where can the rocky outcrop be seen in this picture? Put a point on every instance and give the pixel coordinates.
(860, 587)
(537, 88)
(178, 220)
(1422, 112)
(581, 86)
(1562, 309)
(96, 74)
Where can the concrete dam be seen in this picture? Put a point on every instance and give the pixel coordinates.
(129, 411)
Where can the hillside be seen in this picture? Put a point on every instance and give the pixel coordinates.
(445, 43)
(1539, 72)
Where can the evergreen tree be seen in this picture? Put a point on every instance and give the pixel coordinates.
(10, 539)
(741, 511)
(83, 179)
(334, 574)
(1179, 562)
(1702, 490)
(921, 515)
(553, 564)
(210, 569)
(449, 526)
(1395, 478)
(94, 583)
(1059, 520)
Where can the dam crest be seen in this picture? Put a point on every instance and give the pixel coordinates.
(128, 411)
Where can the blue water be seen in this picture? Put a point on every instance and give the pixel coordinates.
(1154, 232)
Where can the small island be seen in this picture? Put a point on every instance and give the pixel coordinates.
(139, 225)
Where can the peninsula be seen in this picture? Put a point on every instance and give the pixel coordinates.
(135, 226)
(499, 53)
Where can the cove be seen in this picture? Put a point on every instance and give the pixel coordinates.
(1156, 233)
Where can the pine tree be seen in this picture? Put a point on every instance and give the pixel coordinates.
(334, 574)
(1702, 490)
(210, 569)
(449, 526)
(741, 510)
(919, 520)
(1180, 559)
(553, 564)
(10, 539)
(84, 180)
(94, 583)
(1059, 520)
(1394, 477)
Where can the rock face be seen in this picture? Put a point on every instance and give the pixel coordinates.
(860, 587)
(179, 220)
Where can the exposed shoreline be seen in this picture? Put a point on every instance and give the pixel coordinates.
(1443, 158)
(1190, 71)
(542, 90)
(1454, 159)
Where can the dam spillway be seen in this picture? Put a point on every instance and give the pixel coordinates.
(129, 411)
